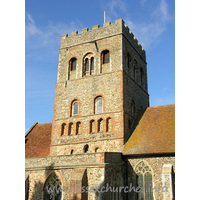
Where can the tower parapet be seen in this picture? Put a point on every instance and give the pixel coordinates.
(98, 33)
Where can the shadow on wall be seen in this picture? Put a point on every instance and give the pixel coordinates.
(78, 183)
(51, 189)
(126, 182)
(173, 182)
(44, 191)
(85, 184)
(132, 125)
(116, 176)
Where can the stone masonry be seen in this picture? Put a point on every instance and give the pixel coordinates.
(101, 89)
(116, 86)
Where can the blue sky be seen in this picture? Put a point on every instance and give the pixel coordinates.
(152, 23)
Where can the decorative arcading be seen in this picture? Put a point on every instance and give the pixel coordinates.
(97, 32)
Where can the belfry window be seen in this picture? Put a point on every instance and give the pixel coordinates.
(128, 60)
(92, 64)
(132, 108)
(141, 75)
(86, 65)
(73, 64)
(135, 69)
(106, 56)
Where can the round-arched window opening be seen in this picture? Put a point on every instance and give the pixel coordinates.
(97, 149)
(105, 57)
(72, 151)
(86, 148)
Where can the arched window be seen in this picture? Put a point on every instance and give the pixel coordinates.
(63, 129)
(70, 130)
(141, 75)
(78, 127)
(135, 69)
(145, 181)
(86, 148)
(72, 64)
(98, 105)
(128, 60)
(96, 149)
(72, 151)
(100, 125)
(52, 188)
(75, 109)
(129, 124)
(92, 126)
(108, 124)
(92, 64)
(105, 57)
(86, 65)
(132, 108)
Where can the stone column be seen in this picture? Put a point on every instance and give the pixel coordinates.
(167, 182)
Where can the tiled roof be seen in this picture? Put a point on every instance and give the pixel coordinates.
(155, 132)
(38, 140)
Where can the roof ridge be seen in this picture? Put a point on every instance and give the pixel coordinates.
(30, 129)
(161, 105)
(46, 123)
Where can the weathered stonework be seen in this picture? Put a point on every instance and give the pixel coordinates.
(157, 164)
(107, 80)
(109, 64)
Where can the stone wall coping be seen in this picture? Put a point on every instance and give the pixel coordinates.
(98, 165)
(119, 27)
(67, 161)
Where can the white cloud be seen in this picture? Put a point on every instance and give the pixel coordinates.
(49, 35)
(162, 12)
(30, 26)
(146, 33)
(142, 2)
(113, 5)
(149, 33)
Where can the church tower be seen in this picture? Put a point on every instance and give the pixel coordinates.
(101, 86)
(97, 145)
(104, 137)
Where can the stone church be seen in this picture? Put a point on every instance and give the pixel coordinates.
(104, 141)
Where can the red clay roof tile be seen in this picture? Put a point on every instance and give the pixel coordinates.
(155, 132)
(38, 141)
